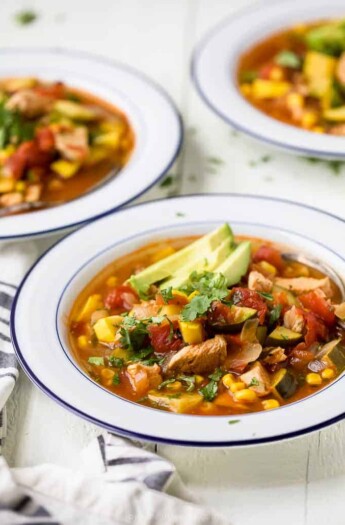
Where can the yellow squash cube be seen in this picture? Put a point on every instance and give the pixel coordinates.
(192, 332)
(94, 302)
(106, 328)
(65, 168)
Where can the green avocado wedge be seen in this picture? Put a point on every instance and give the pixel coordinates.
(236, 265)
(175, 263)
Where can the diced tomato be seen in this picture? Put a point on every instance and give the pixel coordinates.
(250, 299)
(270, 255)
(162, 340)
(265, 71)
(45, 139)
(300, 357)
(56, 90)
(219, 313)
(316, 330)
(319, 306)
(121, 297)
(28, 155)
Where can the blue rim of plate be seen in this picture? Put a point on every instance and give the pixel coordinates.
(243, 129)
(147, 437)
(135, 73)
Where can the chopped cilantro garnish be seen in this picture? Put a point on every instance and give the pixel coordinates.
(197, 307)
(167, 182)
(133, 334)
(189, 380)
(25, 17)
(233, 421)
(166, 294)
(210, 287)
(210, 391)
(166, 382)
(13, 128)
(266, 296)
(116, 361)
(254, 382)
(116, 379)
(288, 58)
(180, 214)
(99, 361)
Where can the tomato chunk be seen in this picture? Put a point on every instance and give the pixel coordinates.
(270, 255)
(250, 299)
(121, 297)
(45, 139)
(319, 306)
(163, 339)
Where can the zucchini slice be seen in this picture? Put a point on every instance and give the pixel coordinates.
(284, 383)
(283, 337)
(261, 334)
(238, 316)
(291, 299)
(333, 353)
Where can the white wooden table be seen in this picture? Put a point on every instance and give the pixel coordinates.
(290, 483)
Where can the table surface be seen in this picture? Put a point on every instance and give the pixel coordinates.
(294, 482)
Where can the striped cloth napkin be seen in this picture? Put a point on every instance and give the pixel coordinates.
(117, 482)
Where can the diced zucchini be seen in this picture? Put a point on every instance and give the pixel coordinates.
(262, 89)
(181, 404)
(261, 334)
(192, 332)
(106, 328)
(94, 302)
(319, 71)
(74, 110)
(291, 299)
(333, 353)
(283, 337)
(65, 168)
(237, 317)
(284, 383)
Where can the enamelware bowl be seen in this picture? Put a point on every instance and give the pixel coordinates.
(214, 68)
(45, 297)
(152, 114)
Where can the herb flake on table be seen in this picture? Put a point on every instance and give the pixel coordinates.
(25, 17)
(168, 181)
(233, 421)
(215, 160)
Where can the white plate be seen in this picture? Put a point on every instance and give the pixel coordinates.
(44, 300)
(215, 63)
(152, 114)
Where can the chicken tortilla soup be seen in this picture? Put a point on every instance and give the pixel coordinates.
(210, 326)
(298, 76)
(56, 142)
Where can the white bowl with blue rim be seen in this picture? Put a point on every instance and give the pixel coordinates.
(41, 338)
(214, 72)
(152, 114)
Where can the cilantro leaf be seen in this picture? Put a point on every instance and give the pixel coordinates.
(288, 58)
(189, 380)
(166, 294)
(197, 306)
(25, 17)
(116, 379)
(166, 382)
(216, 375)
(254, 382)
(210, 287)
(266, 296)
(233, 421)
(99, 361)
(116, 361)
(210, 391)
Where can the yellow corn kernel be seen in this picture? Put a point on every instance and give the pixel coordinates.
(109, 140)
(294, 100)
(193, 294)
(269, 404)
(276, 73)
(199, 379)
(192, 332)
(176, 385)
(106, 373)
(82, 341)
(267, 267)
(20, 186)
(309, 119)
(178, 293)
(262, 89)
(327, 373)
(112, 281)
(313, 379)
(106, 328)
(228, 380)
(162, 254)
(246, 395)
(246, 89)
(6, 185)
(318, 129)
(94, 302)
(237, 387)
(65, 168)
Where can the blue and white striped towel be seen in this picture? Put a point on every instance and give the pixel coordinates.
(118, 482)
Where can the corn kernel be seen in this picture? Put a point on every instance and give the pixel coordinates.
(276, 73)
(193, 294)
(269, 404)
(82, 341)
(162, 254)
(246, 395)
(112, 281)
(236, 387)
(246, 89)
(20, 186)
(294, 100)
(6, 185)
(199, 379)
(313, 379)
(107, 374)
(176, 385)
(309, 119)
(327, 373)
(228, 380)
(267, 267)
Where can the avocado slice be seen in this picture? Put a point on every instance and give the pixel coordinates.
(206, 264)
(283, 337)
(236, 265)
(175, 263)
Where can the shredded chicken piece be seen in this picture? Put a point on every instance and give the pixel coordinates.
(258, 282)
(339, 310)
(257, 379)
(29, 103)
(10, 199)
(33, 192)
(143, 377)
(201, 358)
(72, 143)
(305, 284)
(275, 355)
(145, 310)
(294, 320)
